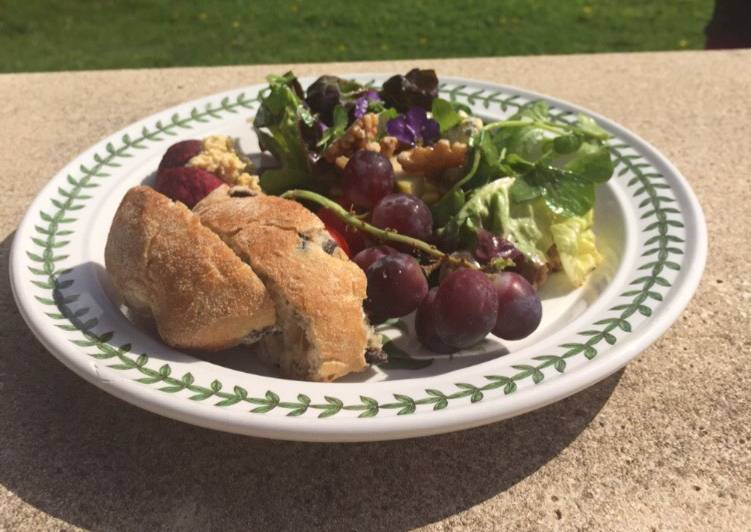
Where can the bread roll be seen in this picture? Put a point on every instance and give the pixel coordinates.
(317, 290)
(168, 267)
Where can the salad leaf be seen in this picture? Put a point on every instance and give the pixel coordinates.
(575, 242)
(526, 225)
(531, 141)
(538, 115)
(340, 118)
(461, 107)
(447, 206)
(491, 164)
(376, 106)
(559, 162)
(531, 226)
(282, 96)
(568, 143)
(523, 190)
(577, 148)
(445, 114)
(565, 193)
(590, 127)
(337, 130)
(278, 125)
(454, 199)
(328, 92)
(418, 88)
(592, 162)
(305, 116)
(537, 111)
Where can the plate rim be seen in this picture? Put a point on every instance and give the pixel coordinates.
(415, 425)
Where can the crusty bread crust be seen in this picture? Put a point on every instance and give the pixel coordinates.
(229, 210)
(319, 295)
(168, 267)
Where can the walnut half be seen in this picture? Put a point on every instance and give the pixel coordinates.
(361, 135)
(431, 161)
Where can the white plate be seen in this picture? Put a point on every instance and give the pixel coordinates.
(649, 226)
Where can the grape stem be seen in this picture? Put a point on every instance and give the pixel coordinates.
(382, 234)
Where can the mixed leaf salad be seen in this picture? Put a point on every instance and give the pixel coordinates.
(398, 170)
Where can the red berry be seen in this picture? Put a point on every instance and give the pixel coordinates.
(187, 184)
(356, 240)
(340, 240)
(179, 154)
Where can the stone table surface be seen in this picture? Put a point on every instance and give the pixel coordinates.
(663, 445)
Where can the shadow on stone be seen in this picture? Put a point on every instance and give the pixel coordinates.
(76, 453)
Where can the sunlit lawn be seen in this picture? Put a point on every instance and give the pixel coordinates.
(77, 34)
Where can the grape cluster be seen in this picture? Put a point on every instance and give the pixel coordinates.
(467, 304)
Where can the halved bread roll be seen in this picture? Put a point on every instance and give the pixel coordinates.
(323, 333)
(170, 268)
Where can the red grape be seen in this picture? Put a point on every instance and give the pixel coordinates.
(425, 325)
(447, 267)
(369, 255)
(396, 285)
(466, 308)
(490, 246)
(519, 306)
(405, 214)
(368, 176)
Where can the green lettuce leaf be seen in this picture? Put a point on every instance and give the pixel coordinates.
(575, 242)
(530, 225)
(490, 207)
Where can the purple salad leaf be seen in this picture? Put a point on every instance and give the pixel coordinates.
(418, 88)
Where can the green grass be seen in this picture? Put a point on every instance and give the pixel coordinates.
(74, 34)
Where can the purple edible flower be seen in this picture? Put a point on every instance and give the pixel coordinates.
(414, 126)
(361, 104)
